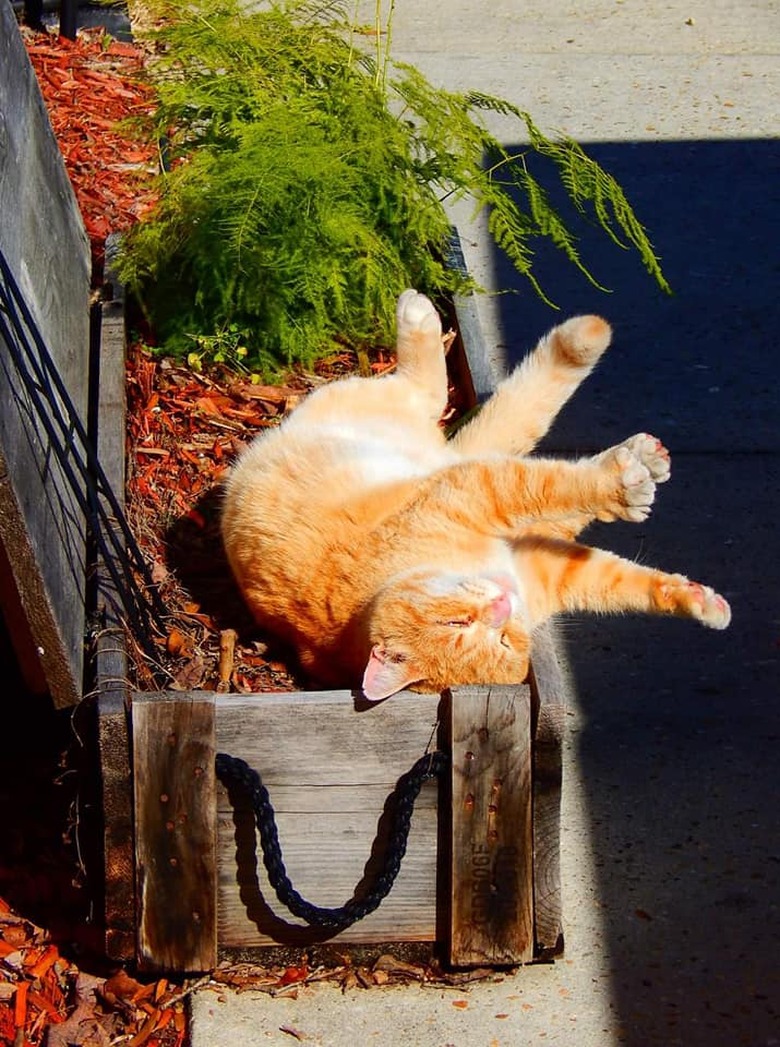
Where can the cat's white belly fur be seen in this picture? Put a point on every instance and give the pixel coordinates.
(383, 453)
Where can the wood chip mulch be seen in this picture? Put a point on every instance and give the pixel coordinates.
(46, 998)
(92, 93)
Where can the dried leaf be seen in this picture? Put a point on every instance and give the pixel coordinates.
(123, 986)
(177, 644)
(16, 934)
(387, 962)
(294, 974)
(191, 675)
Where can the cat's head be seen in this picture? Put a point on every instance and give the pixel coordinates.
(432, 631)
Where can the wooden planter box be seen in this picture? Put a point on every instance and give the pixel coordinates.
(184, 879)
(181, 884)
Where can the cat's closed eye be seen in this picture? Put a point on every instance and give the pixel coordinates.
(459, 623)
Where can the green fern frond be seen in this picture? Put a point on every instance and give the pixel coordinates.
(308, 177)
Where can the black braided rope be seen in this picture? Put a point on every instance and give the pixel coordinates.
(233, 771)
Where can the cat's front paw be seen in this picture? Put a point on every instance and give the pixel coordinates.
(627, 486)
(694, 600)
(415, 312)
(651, 453)
(638, 464)
(636, 486)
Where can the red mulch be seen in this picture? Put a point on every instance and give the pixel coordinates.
(91, 89)
(45, 997)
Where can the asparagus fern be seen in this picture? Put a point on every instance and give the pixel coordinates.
(307, 181)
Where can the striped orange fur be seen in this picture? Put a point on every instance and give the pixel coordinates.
(391, 558)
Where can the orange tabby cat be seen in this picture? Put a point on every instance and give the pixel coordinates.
(391, 558)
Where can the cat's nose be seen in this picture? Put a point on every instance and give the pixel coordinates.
(500, 609)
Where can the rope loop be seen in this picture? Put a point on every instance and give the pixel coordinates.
(231, 770)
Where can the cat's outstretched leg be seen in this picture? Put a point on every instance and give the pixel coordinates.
(563, 576)
(524, 405)
(420, 348)
(639, 450)
(510, 496)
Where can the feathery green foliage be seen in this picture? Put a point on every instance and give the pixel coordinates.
(307, 179)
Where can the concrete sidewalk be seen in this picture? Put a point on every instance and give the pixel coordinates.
(671, 837)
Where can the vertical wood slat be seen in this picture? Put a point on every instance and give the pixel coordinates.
(492, 859)
(549, 690)
(175, 824)
(42, 527)
(110, 654)
(117, 822)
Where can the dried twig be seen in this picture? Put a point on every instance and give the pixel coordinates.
(227, 649)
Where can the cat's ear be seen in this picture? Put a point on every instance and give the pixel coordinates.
(385, 675)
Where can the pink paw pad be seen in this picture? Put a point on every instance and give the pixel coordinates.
(707, 606)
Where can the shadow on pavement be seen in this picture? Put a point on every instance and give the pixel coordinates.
(679, 744)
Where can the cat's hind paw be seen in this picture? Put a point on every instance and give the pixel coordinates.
(581, 340)
(694, 600)
(415, 312)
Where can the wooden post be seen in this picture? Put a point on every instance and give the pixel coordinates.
(110, 653)
(175, 821)
(492, 860)
(549, 691)
(117, 822)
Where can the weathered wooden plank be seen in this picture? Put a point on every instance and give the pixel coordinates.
(549, 689)
(327, 737)
(110, 656)
(40, 653)
(173, 764)
(109, 437)
(492, 870)
(42, 237)
(113, 737)
(326, 857)
(329, 770)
